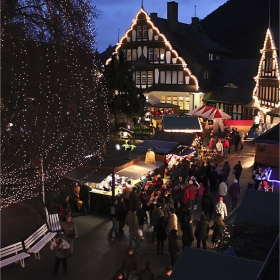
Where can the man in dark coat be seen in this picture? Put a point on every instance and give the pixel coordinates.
(85, 197)
(187, 229)
(201, 231)
(122, 213)
(146, 273)
(213, 176)
(237, 170)
(173, 247)
(207, 206)
(226, 170)
(236, 140)
(130, 263)
(218, 228)
(133, 198)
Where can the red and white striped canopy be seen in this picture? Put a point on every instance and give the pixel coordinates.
(209, 112)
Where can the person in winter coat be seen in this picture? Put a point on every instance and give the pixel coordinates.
(144, 199)
(133, 198)
(146, 273)
(141, 217)
(226, 147)
(201, 232)
(70, 232)
(207, 206)
(161, 234)
(131, 221)
(65, 208)
(237, 169)
(85, 197)
(122, 213)
(157, 213)
(223, 189)
(221, 208)
(187, 229)
(173, 247)
(114, 219)
(192, 193)
(187, 213)
(226, 170)
(130, 264)
(200, 192)
(234, 191)
(218, 228)
(60, 245)
(172, 221)
(213, 176)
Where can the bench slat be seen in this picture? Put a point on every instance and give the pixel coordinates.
(41, 243)
(11, 249)
(13, 259)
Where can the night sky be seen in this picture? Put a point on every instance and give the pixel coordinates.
(120, 13)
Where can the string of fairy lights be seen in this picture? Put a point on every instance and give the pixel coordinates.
(160, 35)
(268, 46)
(54, 106)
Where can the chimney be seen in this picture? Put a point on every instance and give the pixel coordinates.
(172, 15)
(153, 16)
(195, 28)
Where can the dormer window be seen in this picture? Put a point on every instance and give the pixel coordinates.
(211, 56)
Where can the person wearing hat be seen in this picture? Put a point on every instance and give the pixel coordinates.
(234, 191)
(221, 207)
(70, 231)
(61, 246)
(218, 228)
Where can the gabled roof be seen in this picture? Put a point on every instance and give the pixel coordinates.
(270, 137)
(240, 73)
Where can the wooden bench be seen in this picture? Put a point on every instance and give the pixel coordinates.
(36, 241)
(13, 254)
(53, 221)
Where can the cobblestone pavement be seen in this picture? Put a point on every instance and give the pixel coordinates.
(97, 257)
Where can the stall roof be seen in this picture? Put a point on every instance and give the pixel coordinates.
(180, 137)
(215, 266)
(259, 207)
(87, 175)
(139, 169)
(162, 147)
(271, 136)
(182, 124)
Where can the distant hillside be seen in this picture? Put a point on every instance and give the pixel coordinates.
(240, 25)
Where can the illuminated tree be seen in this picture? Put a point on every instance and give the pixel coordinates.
(53, 103)
(125, 96)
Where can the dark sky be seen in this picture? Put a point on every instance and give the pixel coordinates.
(118, 14)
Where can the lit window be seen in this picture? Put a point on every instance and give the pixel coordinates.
(206, 75)
(145, 31)
(211, 56)
(143, 77)
(180, 77)
(181, 102)
(151, 54)
(156, 54)
(150, 77)
(162, 53)
(139, 32)
(137, 77)
(134, 55)
(128, 55)
(168, 99)
(162, 99)
(175, 100)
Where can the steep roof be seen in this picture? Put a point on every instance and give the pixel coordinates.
(234, 81)
(180, 137)
(270, 137)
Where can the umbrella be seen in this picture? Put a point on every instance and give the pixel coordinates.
(209, 112)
